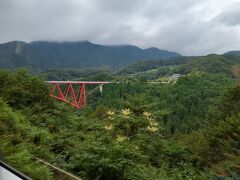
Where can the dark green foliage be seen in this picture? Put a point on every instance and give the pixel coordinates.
(42, 55)
(21, 90)
(136, 129)
(218, 145)
(151, 64)
(81, 74)
(176, 104)
(16, 135)
(210, 63)
(232, 53)
(183, 65)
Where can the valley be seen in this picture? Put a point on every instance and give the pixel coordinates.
(137, 128)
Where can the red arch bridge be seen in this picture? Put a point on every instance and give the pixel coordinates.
(66, 91)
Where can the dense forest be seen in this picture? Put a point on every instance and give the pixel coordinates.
(138, 128)
(42, 55)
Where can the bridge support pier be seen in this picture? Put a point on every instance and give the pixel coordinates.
(66, 91)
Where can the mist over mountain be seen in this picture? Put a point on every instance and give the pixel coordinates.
(42, 55)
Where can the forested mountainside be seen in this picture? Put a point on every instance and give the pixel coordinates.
(224, 64)
(138, 128)
(154, 69)
(42, 55)
(232, 53)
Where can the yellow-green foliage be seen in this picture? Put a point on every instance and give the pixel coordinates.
(134, 130)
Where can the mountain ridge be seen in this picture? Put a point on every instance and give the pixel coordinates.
(42, 55)
(232, 53)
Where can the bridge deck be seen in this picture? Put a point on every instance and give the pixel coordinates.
(78, 82)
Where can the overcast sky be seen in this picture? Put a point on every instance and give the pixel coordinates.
(190, 27)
